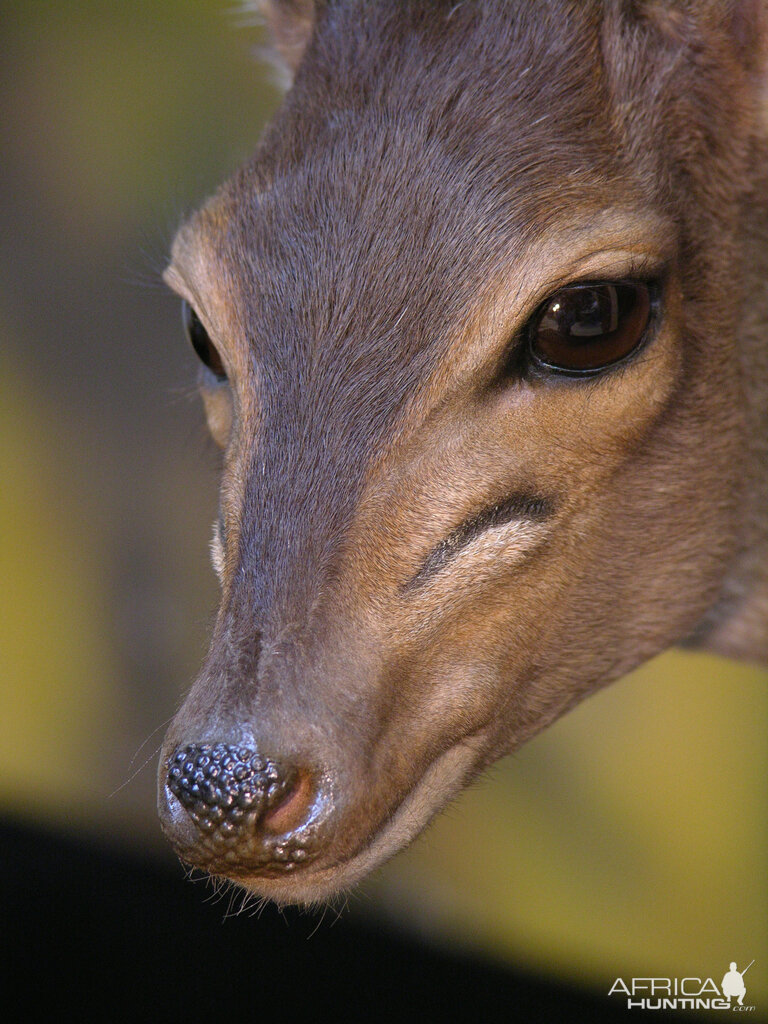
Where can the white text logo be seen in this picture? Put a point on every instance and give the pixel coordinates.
(685, 993)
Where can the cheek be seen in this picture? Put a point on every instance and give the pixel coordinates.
(218, 412)
(576, 433)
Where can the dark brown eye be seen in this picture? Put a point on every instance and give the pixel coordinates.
(201, 343)
(586, 327)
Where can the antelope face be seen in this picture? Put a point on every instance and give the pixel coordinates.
(470, 362)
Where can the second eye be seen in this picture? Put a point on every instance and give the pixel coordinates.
(201, 342)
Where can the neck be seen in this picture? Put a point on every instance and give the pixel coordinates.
(737, 625)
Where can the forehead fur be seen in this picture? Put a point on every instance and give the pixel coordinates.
(430, 142)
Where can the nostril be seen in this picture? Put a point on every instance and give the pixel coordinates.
(223, 787)
(234, 812)
(292, 809)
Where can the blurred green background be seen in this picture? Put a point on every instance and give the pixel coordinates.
(630, 839)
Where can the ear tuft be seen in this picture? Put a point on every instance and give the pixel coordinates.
(290, 24)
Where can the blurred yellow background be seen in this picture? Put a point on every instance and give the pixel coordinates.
(628, 840)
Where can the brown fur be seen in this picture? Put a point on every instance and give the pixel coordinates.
(436, 170)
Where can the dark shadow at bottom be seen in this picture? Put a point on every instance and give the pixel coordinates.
(114, 937)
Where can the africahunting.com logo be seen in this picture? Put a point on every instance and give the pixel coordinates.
(685, 993)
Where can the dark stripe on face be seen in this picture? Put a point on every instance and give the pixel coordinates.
(518, 506)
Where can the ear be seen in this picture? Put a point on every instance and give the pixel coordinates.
(290, 24)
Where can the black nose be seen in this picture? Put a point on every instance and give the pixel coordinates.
(250, 814)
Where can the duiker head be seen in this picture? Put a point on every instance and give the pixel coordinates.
(477, 346)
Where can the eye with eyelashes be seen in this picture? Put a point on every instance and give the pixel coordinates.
(200, 341)
(590, 326)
